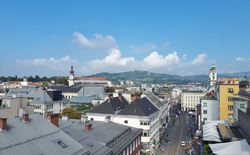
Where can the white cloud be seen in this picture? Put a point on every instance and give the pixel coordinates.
(114, 61)
(155, 60)
(199, 59)
(46, 65)
(242, 59)
(99, 41)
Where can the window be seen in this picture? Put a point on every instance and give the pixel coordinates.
(204, 111)
(204, 104)
(242, 106)
(133, 145)
(204, 119)
(126, 121)
(230, 99)
(230, 90)
(230, 116)
(63, 145)
(130, 148)
(230, 108)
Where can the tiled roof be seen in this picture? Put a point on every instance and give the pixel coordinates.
(140, 107)
(92, 78)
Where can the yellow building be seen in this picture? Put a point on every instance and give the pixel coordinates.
(228, 87)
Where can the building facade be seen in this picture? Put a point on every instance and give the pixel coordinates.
(212, 75)
(228, 87)
(240, 102)
(209, 109)
(190, 99)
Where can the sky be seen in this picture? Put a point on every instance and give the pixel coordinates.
(175, 37)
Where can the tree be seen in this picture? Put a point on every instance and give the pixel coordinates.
(109, 89)
(71, 113)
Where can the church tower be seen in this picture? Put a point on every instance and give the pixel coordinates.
(71, 76)
(212, 75)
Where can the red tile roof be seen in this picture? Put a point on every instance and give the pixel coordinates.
(92, 78)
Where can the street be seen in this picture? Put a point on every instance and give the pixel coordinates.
(178, 130)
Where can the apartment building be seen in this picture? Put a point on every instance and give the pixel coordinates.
(140, 113)
(227, 88)
(190, 99)
(209, 108)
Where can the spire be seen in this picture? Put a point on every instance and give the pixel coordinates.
(72, 70)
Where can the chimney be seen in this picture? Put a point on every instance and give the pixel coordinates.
(110, 96)
(3, 124)
(88, 127)
(54, 119)
(120, 96)
(135, 96)
(25, 117)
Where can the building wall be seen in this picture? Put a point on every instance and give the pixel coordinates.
(150, 125)
(226, 102)
(189, 100)
(209, 110)
(133, 148)
(13, 106)
(244, 122)
(69, 95)
(239, 105)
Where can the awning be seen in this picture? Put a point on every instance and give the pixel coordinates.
(231, 148)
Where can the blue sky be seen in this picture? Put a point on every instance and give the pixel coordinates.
(175, 37)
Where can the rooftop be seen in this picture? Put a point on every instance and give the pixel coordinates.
(68, 89)
(110, 106)
(93, 78)
(38, 136)
(192, 91)
(98, 139)
(140, 107)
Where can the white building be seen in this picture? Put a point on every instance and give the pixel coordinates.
(141, 113)
(190, 98)
(209, 109)
(71, 77)
(175, 92)
(212, 75)
(45, 104)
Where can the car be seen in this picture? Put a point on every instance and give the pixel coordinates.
(183, 143)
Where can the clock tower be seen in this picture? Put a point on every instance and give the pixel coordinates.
(212, 75)
(71, 76)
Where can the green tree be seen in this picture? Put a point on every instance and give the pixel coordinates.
(71, 113)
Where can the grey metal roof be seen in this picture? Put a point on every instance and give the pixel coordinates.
(40, 97)
(93, 90)
(36, 137)
(154, 99)
(110, 106)
(97, 140)
(82, 99)
(68, 89)
(21, 92)
(140, 107)
(192, 91)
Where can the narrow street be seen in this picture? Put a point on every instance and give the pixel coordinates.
(176, 132)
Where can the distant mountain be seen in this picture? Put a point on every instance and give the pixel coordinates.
(240, 75)
(150, 77)
(139, 76)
